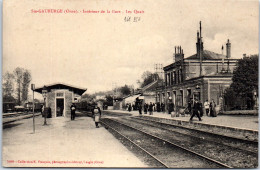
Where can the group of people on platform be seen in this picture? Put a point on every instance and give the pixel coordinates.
(195, 108)
(147, 107)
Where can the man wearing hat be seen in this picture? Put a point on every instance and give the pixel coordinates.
(196, 109)
(73, 111)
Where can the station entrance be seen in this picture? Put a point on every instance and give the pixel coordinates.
(59, 107)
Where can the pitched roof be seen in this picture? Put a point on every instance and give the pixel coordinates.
(150, 86)
(207, 55)
(77, 90)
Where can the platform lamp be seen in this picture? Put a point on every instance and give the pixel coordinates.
(44, 94)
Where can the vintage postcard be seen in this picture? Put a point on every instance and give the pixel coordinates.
(130, 83)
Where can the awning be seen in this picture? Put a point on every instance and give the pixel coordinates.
(131, 99)
(141, 97)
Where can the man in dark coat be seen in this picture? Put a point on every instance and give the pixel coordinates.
(73, 111)
(171, 107)
(158, 107)
(196, 109)
(145, 108)
(162, 107)
(150, 109)
(129, 107)
(140, 108)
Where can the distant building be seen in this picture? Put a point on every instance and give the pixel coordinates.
(204, 75)
(60, 97)
(149, 92)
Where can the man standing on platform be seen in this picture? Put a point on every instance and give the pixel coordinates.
(171, 107)
(206, 106)
(150, 109)
(196, 109)
(140, 108)
(73, 111)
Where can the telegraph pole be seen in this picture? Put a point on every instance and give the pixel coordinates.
(33, 88)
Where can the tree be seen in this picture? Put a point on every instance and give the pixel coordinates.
(22, 79)
(25, 84)
(245, 77)
(18, 74)
(109, 100)
(245, 80)
(148, 77)
(88, 98)
(8, 85)
(125, 90)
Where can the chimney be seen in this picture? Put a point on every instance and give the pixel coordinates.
(179, 55)
(197, 44)
(228, 47)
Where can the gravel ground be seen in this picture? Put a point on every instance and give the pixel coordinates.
(170, 155)
(245, 146)
(232, 157)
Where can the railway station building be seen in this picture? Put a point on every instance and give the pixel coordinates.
(204, 75)
(60, 97)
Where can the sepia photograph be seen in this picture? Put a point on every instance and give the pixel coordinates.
(130, 83)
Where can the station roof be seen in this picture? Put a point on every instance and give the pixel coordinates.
(207, 55)
(75, 89)
(151, 86)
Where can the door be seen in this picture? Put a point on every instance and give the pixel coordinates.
(59, 107)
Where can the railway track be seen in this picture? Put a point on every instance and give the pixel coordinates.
(17, 116)
(249, 146)
(161, 152)
(7, 115)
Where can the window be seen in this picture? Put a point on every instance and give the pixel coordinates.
(59, 94)
(165, 75)
(178, 76)
(171, 78)
(181, 98)
(181, 77)
(174, 77)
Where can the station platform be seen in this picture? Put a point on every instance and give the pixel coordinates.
(238, 126)
(63, 143)
(234, 121)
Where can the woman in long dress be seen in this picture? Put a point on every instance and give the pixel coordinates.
(97, 115)
(212, 108)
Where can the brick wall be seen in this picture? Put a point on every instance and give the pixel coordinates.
(51, 102)
(68, 102)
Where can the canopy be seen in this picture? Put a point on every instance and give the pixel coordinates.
(131, 99)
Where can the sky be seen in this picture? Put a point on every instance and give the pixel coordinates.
(97, 50)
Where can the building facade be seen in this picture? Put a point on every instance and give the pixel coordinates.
(60, 97)
(204, 75)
